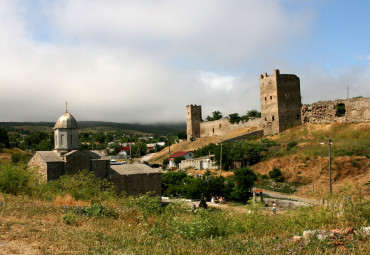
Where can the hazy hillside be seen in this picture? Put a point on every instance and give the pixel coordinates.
(157, 128)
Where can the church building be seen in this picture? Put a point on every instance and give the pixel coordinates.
(132, 179)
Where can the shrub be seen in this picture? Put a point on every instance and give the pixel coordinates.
(147, 203)
(85, 186)
(264, 177)
(165, 163)
(69, 219)
(291, 145)
(16, 179)
(15, 158)
(96, 210)
(205, 224)
(275, 173)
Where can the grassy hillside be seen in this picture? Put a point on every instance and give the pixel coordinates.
(80, 214)
(76, 215)
(302, 158)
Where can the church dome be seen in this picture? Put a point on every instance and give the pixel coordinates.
(66, 121)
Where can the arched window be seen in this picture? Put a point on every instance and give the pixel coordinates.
(273, 117)
(213, 130)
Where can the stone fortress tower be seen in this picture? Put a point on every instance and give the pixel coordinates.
(66, 134)
(281, 109)
(280, 98)
(193, 120)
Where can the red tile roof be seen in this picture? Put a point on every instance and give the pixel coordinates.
(179, 154)
(125, 148)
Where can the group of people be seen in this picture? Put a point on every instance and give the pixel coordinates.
(217, 199)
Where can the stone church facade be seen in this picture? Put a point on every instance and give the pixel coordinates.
(67, 159)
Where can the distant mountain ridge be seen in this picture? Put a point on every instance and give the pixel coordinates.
(155, 128)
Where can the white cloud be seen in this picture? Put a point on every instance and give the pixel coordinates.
(144, 61)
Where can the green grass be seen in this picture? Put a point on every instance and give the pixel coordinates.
(347, 141)
(178, 230)
(31, 213)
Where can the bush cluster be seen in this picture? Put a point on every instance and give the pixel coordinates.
(16, 179)
(19, 179)
(236, 188)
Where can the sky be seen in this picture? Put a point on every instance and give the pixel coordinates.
(143, 61)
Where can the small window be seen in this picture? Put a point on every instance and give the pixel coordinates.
(220, 126)
(273, 117)
(270, 97)
(297, 116)
(265, 119)
(265, 99)
(213, 130)
(196, 133)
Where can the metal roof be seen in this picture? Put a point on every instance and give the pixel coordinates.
(66, 121)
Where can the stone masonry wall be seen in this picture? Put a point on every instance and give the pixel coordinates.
(39, 164)
(136, 184)
(350, 110)
(223, 126)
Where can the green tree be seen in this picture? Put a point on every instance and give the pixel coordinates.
(45, 145)
(139, 149)
(251, 114)
(98, 137)
(182, 135)
(4, 139)
(216, 115)
(244, 178)
(34, 139)
(109, 137)
(178, 160)
(234, 118)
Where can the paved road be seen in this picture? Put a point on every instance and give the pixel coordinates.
(281, 195)
(146, 157)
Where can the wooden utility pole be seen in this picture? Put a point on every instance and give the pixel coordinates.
(330, 184)
(221, 159)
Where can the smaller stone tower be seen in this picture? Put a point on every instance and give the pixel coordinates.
(280, 97)
(193, 120)
(66, 133)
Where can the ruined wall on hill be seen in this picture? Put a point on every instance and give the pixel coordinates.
(350, 110)
(223, 126)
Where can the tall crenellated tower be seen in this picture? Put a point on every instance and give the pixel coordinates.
(193, 120)
(280, 97)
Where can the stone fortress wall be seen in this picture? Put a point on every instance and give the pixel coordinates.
(349, 110)
(223, 126)
(281, 108)
(197, 128)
